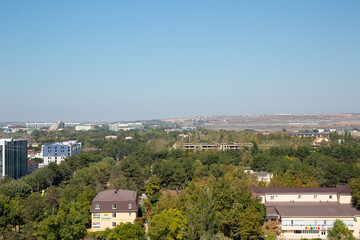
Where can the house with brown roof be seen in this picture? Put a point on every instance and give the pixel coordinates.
(112, 207)
(309, 212)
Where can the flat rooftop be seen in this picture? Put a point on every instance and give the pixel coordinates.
(311, 210)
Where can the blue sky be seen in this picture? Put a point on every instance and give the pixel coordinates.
(127, 60)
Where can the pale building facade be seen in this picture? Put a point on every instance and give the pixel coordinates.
(112, 207)
(309, 212)
(84, 127)
(260, 176)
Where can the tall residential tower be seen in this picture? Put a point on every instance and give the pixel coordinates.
(13, 158)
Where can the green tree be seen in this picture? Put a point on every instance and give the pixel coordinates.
(255, 148)
(16, 214)
(241, 215)
(67, 224)
(208, 217)
(152, 187)
(34, 208)
(260, 162)
(169, 223)
(16, 189)
(340, 232)
(127, 231)
(4, 213)
(355, 187)
(52, 196)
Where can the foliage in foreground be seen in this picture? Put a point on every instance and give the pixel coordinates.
(340, 232)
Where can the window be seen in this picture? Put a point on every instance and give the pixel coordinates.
(130, 206)
(330, 196)
(96, 225)
(114, 215)
(310, 231)
(299, 196)
(114, 206)
(315, 196)
(272, 197)
(97, 206)
(129, 214)
(114, 224)
(96, 215)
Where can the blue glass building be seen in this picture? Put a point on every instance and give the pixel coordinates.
(13, 158)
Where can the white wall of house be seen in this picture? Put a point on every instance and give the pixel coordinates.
(302, 198)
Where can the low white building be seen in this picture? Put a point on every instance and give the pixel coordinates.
(309, 212)
(261, 176)
(125, 126)
(84, 127)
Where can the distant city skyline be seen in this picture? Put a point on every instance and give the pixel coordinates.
(141, 60)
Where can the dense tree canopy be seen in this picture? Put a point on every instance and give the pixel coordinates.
(211, 198)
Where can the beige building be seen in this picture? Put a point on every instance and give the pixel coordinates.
(309, 212)
(112, 207)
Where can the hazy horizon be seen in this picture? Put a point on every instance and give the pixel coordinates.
(178, 117)
(137, 60)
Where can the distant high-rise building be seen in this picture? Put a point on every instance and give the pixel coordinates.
(57, 152)
(13, 158)
(57, 125)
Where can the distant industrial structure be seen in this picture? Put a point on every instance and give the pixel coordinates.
(125, 126)
(57, 152)
(216, 147)
(13, 158)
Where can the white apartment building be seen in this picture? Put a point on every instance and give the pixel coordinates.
(57, 152)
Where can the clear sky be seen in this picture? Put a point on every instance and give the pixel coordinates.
(128, 60)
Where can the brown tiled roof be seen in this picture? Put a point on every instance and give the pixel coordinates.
(312, 210)
(122, 199)
(345, 190)
(116, 195)
(271, 211)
